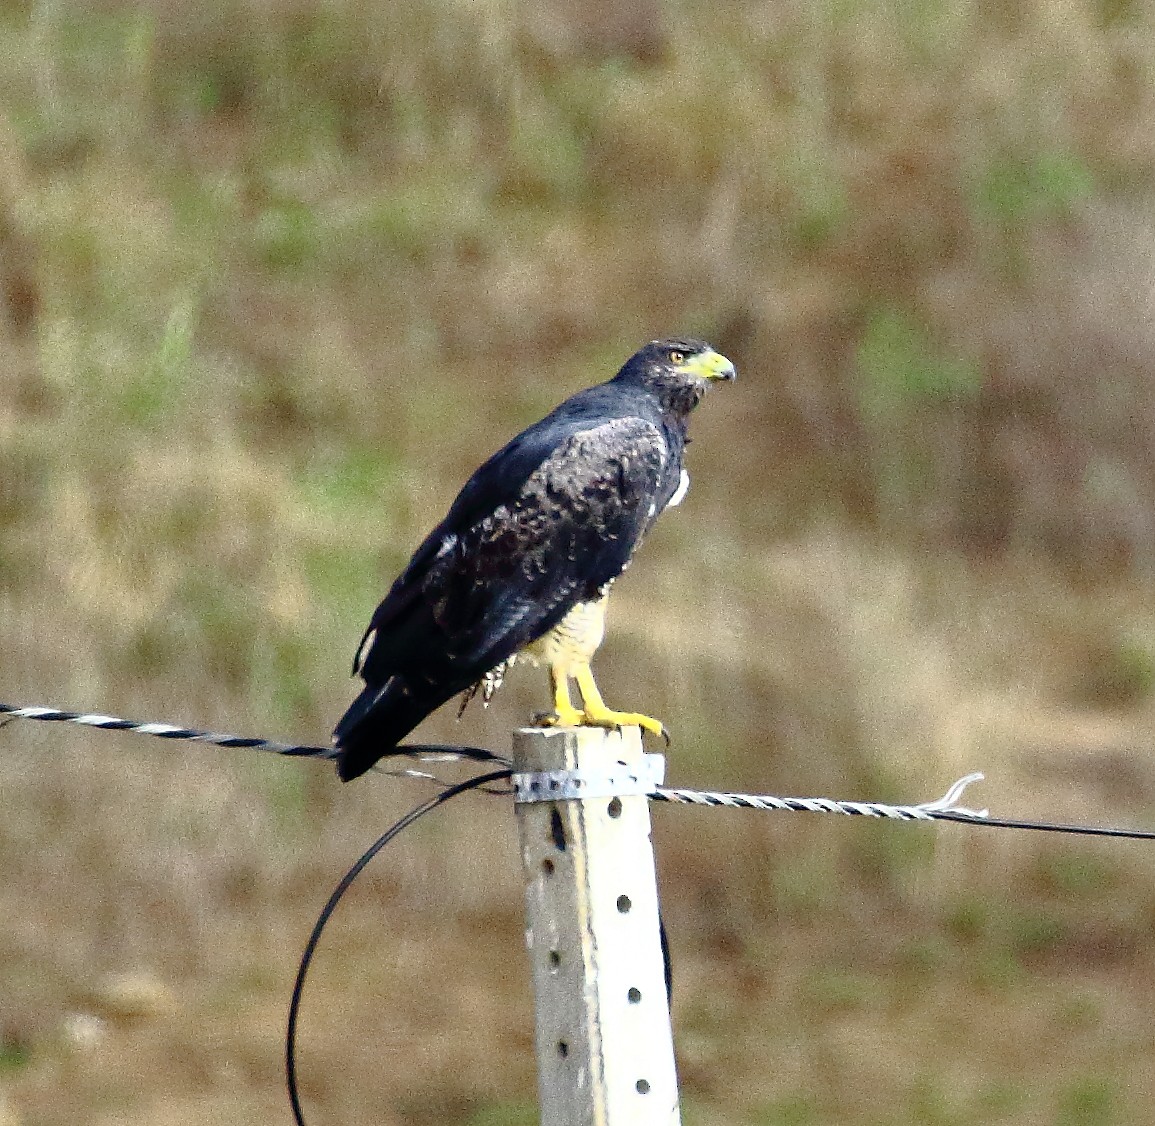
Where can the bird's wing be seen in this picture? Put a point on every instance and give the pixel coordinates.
(500, 476)
(544, 524)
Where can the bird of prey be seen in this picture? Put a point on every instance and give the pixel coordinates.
(523, 562)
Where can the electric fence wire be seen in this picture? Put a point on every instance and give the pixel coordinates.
(946, 808)
(425, 751)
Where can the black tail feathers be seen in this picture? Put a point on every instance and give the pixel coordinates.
(376, 722)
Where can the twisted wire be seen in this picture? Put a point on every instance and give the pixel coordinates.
(924, 811)
(425, 751)
(945, 808)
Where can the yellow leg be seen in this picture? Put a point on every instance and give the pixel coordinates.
(564, 713)
(596, 714)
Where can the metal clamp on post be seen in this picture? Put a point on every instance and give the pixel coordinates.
(568, 785)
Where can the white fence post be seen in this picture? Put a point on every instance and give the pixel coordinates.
(605, 1051)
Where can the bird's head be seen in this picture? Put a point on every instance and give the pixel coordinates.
(677, 371)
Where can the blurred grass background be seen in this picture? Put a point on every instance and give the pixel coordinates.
(275, 275)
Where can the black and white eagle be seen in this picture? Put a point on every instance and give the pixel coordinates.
(524, 560)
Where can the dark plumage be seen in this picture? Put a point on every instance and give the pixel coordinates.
(526, 554)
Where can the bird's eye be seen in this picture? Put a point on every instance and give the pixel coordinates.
(677, 357)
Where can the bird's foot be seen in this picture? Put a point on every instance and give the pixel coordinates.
(607, 717)
(601, 717)
(561, 717)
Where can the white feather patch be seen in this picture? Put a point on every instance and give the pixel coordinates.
(363, 652)
(680, 491)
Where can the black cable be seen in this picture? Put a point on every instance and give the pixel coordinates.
(331, 904)
(1044, 826)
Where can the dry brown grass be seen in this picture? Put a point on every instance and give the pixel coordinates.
(275, 276)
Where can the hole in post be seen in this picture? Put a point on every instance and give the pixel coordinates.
(547, 866)
(562, 1049)
(556, 830)
(642, 1086)
(624, 904)
(614, 809)
(635, 994)
(554, 959)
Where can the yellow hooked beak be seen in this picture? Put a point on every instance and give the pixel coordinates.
(709, 365)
